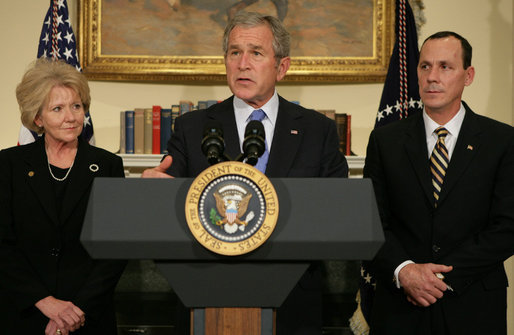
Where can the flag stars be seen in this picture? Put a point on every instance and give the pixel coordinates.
(420, 104)
(60, 3)
(47, 22)
(67, 53)
(412, 103)
(45, 39)
(59, 20)
(87, 121)
(58, 36)
(69, 37)
(380, 115)
(398, 106)
(388, 110)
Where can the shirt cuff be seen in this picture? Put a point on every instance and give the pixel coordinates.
(397, 271)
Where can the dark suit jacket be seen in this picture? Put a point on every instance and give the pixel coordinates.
(311, 151)
(471, 229)
(40, 251)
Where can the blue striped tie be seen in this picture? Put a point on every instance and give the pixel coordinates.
(439, 162)
(259, 115)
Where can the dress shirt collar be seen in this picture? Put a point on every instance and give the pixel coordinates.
(242, 110)
(453, 126)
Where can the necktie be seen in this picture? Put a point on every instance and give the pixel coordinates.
(259, 115)
(439, 162)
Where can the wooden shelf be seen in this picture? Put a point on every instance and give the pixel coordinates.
(135, 164)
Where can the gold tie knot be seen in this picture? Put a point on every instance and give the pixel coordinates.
(441, 132)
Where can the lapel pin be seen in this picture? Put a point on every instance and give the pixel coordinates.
(93, 168)
(294, 132)
(31, 173)
(470, 147)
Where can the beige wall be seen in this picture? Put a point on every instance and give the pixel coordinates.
(486, 23)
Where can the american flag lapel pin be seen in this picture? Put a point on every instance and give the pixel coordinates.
(294, 132)
(470, 147)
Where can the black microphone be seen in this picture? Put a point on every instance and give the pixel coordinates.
(254, 143)
(213, 144)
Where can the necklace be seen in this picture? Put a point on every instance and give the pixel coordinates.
(63, 178)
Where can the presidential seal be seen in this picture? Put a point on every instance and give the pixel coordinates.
(231, 208)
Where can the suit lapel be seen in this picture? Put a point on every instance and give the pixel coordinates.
(80, 178)
(38, 178)
(287, 137)
(224, 113)
(467, 146)
(416, 148)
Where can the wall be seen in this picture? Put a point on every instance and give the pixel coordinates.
(487, 24)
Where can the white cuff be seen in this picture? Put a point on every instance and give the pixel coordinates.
(397, 271)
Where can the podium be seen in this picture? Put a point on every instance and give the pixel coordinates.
(319, 219)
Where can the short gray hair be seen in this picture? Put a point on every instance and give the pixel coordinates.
(281, 38)
(37, 82)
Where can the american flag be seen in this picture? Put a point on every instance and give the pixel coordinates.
(400, 95)
(57, 41)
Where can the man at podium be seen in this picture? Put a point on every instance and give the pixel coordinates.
(299, 142)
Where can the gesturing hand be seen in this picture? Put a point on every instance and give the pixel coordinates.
(420, 283)
(160, 170)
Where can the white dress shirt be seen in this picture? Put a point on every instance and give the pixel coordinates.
(242, 113)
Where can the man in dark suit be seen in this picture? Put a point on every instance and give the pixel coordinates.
(300, 142)
(446, 200)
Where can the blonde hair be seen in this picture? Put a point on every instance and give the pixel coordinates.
(37, 82)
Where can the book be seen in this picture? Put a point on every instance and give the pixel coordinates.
(211, 102)
(148, 131)
(122, 133)
(139, 131)
(330, 113)
(348, 135)
(129, 132)
(156, 130)
(202, 104)
(341, 125)
(175, 112)
(165, 129)
(185, 106)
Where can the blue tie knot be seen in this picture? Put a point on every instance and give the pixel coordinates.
(257, 115)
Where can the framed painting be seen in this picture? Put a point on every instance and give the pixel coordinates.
(180, 40)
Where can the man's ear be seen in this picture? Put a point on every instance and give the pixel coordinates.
(282, 68)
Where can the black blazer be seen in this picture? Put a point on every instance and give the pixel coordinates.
(305, 144)
(312, 151)
(40, 251)
(471, 229)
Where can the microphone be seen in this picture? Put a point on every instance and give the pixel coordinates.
(213, 144)
(254, 143)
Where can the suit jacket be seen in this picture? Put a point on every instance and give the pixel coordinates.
(40, 251)
(305, 144)
(311, 152)
(471, 229)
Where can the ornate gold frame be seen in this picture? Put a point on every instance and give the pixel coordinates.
(97, 66)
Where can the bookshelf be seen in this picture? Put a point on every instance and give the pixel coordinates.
(135, 164)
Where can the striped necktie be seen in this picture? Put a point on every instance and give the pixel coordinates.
(439, 162)
(259, 115)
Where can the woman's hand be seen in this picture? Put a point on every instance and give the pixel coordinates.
(64, 314)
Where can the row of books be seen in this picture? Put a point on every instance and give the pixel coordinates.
(147, 130)
(344, 129)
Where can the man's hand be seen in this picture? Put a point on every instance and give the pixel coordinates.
(420, 283)
(160, 170)
(65, 315)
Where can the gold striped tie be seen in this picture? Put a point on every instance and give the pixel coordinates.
(439, 162)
